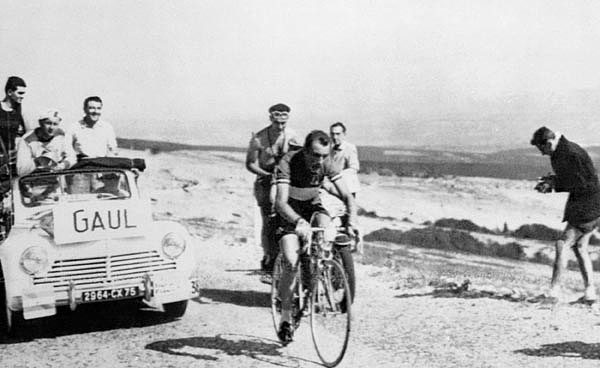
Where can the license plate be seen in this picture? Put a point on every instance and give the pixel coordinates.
(110, 294)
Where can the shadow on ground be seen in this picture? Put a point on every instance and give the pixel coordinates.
(244, 298)
(249, 271)
(89, 318)
(215, 347)
(570, 349)
(465, 291)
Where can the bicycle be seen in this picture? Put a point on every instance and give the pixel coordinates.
(321, 290)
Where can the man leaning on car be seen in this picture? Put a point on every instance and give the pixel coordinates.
(45, 146)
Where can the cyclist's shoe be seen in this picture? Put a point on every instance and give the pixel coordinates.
(285, 333)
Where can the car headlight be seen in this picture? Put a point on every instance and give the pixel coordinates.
(173, 245)
(34, 259)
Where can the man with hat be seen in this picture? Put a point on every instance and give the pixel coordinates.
(265, 150)
(574, 173)
(44, 147)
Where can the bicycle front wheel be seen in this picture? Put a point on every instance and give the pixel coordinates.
(330, 313)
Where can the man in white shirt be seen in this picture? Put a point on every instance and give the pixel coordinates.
(345, 156)
(90, 136)
(44, 147)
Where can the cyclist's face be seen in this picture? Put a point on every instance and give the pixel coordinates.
(317, 155)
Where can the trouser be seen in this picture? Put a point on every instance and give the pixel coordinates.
(263, 195)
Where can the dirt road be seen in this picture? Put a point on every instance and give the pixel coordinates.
(400, 320)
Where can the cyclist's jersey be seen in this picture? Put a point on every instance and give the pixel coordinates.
(304, 182)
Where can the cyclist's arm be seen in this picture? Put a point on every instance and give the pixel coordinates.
(282, 206)
(252, 159)
(348, 199)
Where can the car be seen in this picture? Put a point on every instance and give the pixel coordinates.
(86, 235)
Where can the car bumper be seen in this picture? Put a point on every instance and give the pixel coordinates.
(42, 300)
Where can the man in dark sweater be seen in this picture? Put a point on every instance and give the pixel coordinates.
(574, 173)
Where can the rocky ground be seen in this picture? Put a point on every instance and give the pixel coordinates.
(413, 306)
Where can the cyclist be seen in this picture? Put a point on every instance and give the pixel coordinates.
(299, 176)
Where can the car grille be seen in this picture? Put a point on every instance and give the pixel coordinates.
(87, 273)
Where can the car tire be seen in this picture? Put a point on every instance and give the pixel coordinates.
(11, 322)
(4, 312)
(175, 310)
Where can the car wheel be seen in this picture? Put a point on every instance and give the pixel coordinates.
(9, 320)
(5, 313)
(176, 309)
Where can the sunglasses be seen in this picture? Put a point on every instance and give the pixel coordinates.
(280, 114)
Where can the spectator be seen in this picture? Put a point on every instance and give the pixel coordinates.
(45, 146)
(92, 136)
(266, 149)
(574, 173)
(12, 124)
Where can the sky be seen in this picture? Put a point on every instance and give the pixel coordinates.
(397, 72)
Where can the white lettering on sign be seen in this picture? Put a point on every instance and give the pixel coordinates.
(96, 220)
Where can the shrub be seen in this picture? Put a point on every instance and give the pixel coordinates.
(537, 231)
(452, 240)
(541, 257)
(461, 225)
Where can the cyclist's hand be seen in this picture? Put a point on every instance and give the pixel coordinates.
(356, 236)
(302, 229)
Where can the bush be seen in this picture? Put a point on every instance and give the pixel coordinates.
(541, 257)
(461, 225)
(538, 232)
(452, 240)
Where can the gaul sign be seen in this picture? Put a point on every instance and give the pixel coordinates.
(76, 222)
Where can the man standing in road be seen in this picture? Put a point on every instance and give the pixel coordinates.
(91, 136)
(345, 156)
(574, 173)
(266, 148)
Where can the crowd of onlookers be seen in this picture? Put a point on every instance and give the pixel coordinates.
(50, 145)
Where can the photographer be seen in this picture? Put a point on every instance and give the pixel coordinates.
(574, 173)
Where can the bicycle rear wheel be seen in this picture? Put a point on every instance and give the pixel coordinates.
(330, 314)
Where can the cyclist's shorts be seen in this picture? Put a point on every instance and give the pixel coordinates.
(304, 209)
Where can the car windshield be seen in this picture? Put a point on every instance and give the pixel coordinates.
(53, 187)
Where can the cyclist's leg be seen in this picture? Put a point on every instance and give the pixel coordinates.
(290, 247)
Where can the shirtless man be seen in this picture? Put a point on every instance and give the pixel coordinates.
(265, 150)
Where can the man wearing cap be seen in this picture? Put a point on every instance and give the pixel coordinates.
(44, 147)
(574, 173)
(92, 136)
(265, 150)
